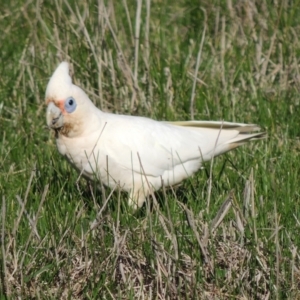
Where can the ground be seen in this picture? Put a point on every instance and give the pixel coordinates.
(229, 232)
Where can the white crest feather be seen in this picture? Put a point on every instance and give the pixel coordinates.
(60, 83)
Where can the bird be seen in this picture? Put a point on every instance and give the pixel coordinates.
(139, 155)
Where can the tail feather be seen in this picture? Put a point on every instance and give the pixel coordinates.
(246, 133)
(242, 139)
(241, 127)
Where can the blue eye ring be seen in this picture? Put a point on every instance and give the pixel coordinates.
(70, 105)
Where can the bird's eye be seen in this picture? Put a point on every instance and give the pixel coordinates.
(70, 104)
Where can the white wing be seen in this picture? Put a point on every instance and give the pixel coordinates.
(162, 146)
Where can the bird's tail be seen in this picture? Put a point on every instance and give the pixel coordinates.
(247, 132)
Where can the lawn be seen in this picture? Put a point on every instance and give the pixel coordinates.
(232, 231)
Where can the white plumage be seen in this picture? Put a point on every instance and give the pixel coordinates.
(135, 153)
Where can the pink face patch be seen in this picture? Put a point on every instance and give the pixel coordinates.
(61, 105)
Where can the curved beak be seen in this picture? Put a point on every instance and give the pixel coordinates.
(54, 116)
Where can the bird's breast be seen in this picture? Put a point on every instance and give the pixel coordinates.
(89, 158)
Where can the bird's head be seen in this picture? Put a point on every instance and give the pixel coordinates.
(67, 104)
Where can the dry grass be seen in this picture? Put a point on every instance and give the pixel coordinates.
(219, 250)
(229, 234)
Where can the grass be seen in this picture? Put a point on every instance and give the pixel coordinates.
(231, 60)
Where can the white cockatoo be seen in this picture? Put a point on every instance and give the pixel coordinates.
(137, 154)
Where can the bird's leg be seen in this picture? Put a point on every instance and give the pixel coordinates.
(136, 199)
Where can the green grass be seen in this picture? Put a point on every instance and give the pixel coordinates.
(248, 72)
